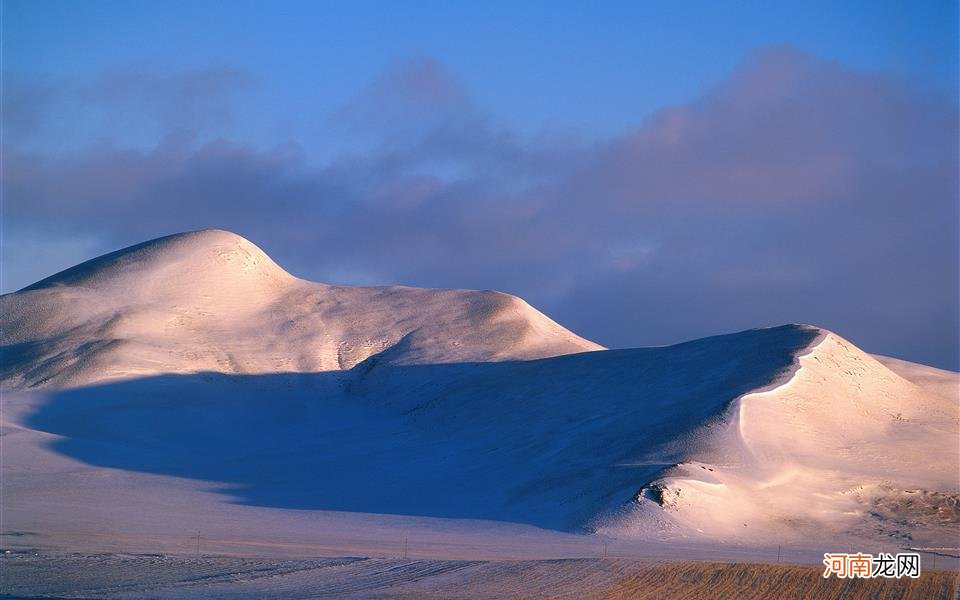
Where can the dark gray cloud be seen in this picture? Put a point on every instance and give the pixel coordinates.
(796, 190)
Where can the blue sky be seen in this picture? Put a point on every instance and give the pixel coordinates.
(534, 64)
(643, 172)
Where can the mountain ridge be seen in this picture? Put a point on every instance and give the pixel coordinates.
(196, 358)
(211, 300)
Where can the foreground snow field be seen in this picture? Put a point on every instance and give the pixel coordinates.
(190, 384)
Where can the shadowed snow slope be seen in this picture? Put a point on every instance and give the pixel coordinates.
(212, 301)
(203, 361)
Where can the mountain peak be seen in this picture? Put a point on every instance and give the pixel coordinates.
(208, 257)
(211, 300)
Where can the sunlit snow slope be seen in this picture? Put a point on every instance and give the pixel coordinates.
(146, 377)
(212, 301)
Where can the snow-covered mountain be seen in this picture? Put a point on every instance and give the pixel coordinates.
(212, 301)
(194, 360)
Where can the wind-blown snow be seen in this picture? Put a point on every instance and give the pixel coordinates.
(843, 445)
(192, 379)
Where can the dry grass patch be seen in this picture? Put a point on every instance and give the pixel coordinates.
(710, 580)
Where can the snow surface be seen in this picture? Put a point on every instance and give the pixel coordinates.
(212, 301)
(189, 383)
